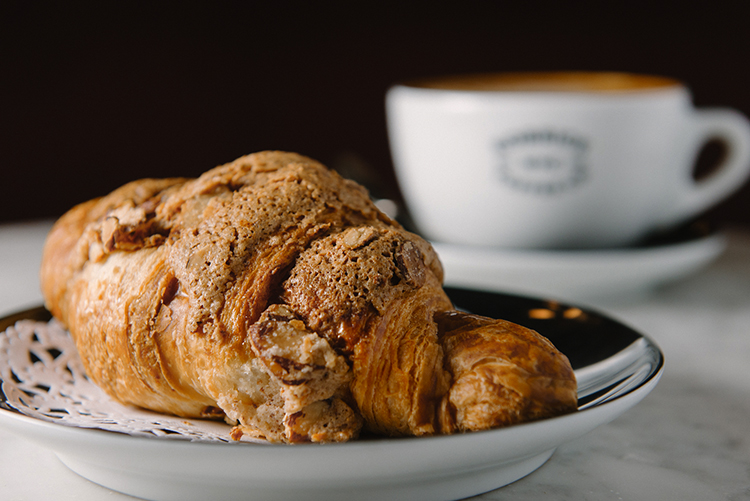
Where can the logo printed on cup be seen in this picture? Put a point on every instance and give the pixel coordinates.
(543, 162)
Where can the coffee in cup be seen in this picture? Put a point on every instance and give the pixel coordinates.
(557, 160)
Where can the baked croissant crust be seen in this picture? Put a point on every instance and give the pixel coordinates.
(272, 293)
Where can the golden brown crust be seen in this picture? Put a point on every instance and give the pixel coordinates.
(271, 292)
(502, 374)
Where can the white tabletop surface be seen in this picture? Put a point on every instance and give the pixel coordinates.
(688, 440)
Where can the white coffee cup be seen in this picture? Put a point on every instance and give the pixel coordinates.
(557, 160)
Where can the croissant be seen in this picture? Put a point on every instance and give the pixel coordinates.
(272, 293)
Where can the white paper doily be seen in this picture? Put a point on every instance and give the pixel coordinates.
(43, 377)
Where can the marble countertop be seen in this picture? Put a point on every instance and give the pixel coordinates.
(688, 440)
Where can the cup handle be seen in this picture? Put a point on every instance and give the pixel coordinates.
(731, 128)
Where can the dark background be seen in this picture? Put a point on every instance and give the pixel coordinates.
(93, 95)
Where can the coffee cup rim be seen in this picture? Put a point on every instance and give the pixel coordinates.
(610, 82)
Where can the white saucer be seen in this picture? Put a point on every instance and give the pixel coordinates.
(46, 398)
(585, 275)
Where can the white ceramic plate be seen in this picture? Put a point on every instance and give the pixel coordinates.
(585, 275)
(616, 367)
